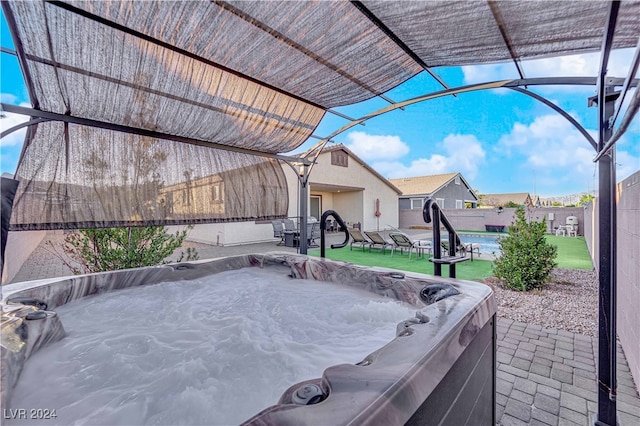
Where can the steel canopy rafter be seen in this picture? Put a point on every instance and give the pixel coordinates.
(505, 35)
(142, 132)
(228, 110)
(291, 43)
(21, 125)
(508, 84)
(28, 80)
(147, 38)
(373, 18)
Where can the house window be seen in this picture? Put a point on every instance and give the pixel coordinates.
(339, 158)
(459, 204)
(457, 180)
(216, 193)
(440, 202)
(416, 203)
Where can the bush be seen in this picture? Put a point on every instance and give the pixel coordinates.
(108, 249)
(527, 259)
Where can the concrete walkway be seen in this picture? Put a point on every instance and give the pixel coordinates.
(544, 376)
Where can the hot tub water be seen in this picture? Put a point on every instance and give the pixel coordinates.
(174, 353)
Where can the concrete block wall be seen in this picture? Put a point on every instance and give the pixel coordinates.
(627, 265)
(476, 219)
(628, 271)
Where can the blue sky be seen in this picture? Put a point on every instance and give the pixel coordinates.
(500, 140)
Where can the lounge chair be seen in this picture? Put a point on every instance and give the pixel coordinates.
(278, 231)
(358, 239)
(464, 248)
(377, 241)
(402, 241)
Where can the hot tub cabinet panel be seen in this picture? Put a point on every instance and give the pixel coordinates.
(440, 368)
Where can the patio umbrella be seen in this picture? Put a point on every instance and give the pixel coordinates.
(377, 213)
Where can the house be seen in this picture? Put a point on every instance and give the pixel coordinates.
(339, 181)
(343, 182)
(506, 200)
(450, 190)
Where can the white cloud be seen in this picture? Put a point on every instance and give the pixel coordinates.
(376, 147)
(557, 153)
(582, 65)
(459, 153)
(9, 120)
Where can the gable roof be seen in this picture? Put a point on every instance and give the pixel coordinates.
(339, 146)
(496, 200)
(426, 185)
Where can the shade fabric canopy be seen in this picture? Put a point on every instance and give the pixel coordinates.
(255, 76)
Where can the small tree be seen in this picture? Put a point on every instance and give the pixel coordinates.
(527, 259)
(108, 249)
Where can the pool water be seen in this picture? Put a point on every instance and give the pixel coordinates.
(488, 243)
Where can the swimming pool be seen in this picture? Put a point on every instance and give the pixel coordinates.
(488, 243)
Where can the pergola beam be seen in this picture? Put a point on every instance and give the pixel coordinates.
(293, 44)
(142, 132)
(502, 26)
(147, 38)
(377, 22)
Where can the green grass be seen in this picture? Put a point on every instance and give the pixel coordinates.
(572, 254)
(476, 270)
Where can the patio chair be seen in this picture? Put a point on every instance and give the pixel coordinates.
(358, 239)
(377, 241)
(402, 241)
(313, 232)
(278, 231)
(289, 225)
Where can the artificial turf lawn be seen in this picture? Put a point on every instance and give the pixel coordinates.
(476, 270)
(572, 254)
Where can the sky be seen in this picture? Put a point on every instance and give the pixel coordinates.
(500, 140)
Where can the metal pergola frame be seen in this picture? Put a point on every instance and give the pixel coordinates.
(609, 104)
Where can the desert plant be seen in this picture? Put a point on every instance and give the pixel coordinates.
(107, 249)
(527, 259)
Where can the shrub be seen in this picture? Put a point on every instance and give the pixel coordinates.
(527, 259)
(99, 250)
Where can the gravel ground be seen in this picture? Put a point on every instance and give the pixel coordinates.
(569, 302)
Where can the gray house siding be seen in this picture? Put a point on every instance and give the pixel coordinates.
(450, 193)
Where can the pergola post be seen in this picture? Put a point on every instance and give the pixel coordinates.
(607, 271)
(304, 195)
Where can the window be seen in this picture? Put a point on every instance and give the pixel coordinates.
(440, 202)
(416, 203)
(457, 180)
(216, 193)
(339, 158)
(459, 204)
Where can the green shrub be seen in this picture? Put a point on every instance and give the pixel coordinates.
(108, 249)
(527, 259)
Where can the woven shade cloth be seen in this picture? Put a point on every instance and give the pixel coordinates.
(246, 75)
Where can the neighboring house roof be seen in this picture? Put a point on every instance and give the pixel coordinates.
(427, 185)
(362, 163)
(495, 200)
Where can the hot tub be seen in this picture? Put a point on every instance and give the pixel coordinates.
(438, 369)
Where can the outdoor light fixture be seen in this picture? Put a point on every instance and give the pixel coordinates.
(499, 209)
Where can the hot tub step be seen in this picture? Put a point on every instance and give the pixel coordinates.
(449, 260)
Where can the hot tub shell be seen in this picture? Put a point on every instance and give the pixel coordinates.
(440, 368)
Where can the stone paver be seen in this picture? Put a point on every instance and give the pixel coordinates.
(544, 376)
(555, 379)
